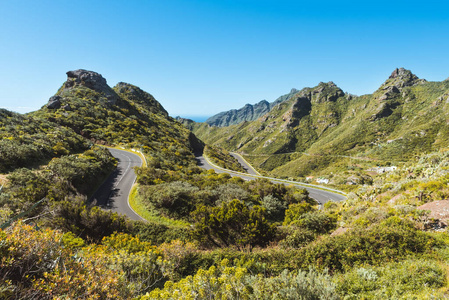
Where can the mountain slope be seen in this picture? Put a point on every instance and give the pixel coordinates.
(247, 113)
(318, 127)
(124, 114)
(25, 140)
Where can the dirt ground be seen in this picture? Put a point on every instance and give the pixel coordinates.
(438, 210)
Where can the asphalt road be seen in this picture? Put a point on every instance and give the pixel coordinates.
(321, 196)
(245, 166)
(113, 194)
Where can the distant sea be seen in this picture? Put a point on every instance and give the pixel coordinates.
(196, 118)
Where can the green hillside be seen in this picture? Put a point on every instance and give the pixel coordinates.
(121, 115)
(51, 153)
(211, 235)
(322, 129)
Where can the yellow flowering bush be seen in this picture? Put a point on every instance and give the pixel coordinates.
(41, 263)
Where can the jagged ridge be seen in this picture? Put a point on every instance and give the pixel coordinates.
(247, 113)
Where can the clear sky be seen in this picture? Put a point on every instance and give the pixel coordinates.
(202, 57)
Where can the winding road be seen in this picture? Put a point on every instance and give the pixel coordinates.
(113, 194)
(320, 196)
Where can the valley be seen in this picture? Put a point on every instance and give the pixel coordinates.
(327, 133)
(320, 194)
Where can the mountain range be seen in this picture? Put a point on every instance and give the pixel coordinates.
(248, 112)
(319, 130)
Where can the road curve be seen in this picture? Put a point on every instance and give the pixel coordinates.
(321, 196)
(113, 194)
(248, 168)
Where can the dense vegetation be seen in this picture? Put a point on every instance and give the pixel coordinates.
(222, 158)
(26, 141)
(209, 235)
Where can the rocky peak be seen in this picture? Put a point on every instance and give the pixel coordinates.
(401, 78)
(401, 72)
(326, 92)
(91, 80)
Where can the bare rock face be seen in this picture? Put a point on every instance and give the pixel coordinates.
(91, 80)
(324, 92)
(401, 78)
(390, 92)
(54, 102)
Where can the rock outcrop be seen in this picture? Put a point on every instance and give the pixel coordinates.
(54, 102)
(324, 92)
(91, 80)
(401, 78)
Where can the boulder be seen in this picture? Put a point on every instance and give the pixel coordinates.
(54, 102)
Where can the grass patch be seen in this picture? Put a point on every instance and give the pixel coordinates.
(139, 207)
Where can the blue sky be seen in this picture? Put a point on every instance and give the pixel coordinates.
(202, 57)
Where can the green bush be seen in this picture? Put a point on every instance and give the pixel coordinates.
(174, 199)
(158, 233)
(232, 224)
(230, 282)
(295, 212)
(316, 221)
(274, 207)
(391, 240)
(394, 280)
(296, 237)
(89, 223)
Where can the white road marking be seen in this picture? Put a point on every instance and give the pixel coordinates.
(126, 170)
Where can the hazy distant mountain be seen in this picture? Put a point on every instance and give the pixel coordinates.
(247, 113)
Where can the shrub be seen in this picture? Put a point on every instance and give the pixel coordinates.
(394, 280)
(226, 282)
(274, 207)
(296, 237)
(316, 221)
(157, 233)
(391, 240)
(89, 223)
(232, 224)
(35, 265)
(175, 199)
(295, 211)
